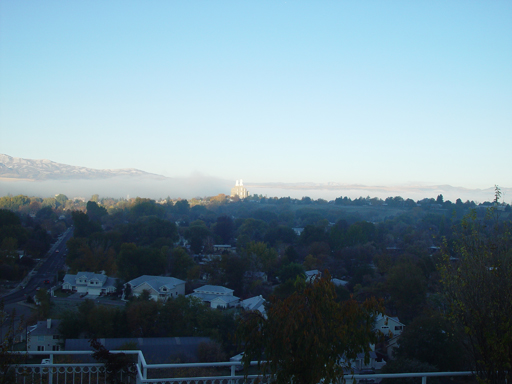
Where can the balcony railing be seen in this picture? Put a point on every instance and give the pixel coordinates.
(80, 373)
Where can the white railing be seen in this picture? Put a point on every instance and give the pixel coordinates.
(81, 373)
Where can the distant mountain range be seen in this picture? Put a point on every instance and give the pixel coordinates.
(46, 178)
(27, 169)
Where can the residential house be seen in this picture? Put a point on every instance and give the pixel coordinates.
(360, 366)
(158, 287)
(44, 336)
(389, 326)
(223, 247)
(216, 296)
(298, 231)
(94, 284)
(313, 274)
(392, 328)
(256, 303)
(339, 282)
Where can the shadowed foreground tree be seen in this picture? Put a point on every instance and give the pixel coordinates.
(309, 336)
(9, 360)
(434, 340)
(119, 366)
(478, 291)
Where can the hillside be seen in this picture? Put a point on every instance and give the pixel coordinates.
(28, 169)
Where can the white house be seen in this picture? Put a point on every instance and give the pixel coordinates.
(256, 303)
(392, 328)
(91, 283)
(339, 282)
(222, 247)
(216, 296)
(389, 326)
(159, 287)
(313, 274)
(44, 336)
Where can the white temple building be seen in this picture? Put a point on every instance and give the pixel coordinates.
(239, 190)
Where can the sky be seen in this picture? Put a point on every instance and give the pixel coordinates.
(355, 92)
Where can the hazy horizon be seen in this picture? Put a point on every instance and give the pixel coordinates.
(198, 186)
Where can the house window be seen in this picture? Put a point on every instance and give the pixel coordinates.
(56, 337)
(55, 348)
(384, 327)
(40, 347)
(399, 327)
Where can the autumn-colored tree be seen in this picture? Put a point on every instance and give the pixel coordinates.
(478, 290)
(309, 336)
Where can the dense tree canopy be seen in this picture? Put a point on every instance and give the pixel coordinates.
(478, 291)
(305, 336)
(386, 249)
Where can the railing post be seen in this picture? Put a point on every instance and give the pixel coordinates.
(424, 380)
(50, 369)
(232, 374)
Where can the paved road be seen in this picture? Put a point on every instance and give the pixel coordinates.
(48, 270)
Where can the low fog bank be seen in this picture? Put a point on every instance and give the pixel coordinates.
(118, 187)
(201, 186)
(410, 192)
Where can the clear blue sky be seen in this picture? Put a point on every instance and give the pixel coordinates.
(370, 92)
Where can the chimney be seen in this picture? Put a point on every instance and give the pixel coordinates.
(48, 323)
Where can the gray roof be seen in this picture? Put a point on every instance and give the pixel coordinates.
(156, 350)
(43, 330)
(92, 275)
(71, 279)
(256, 303)
(226, 298)
(209, 297)
(156, 281)
(104, 279)
(214, 289)
(339, 282)
(111, 282)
